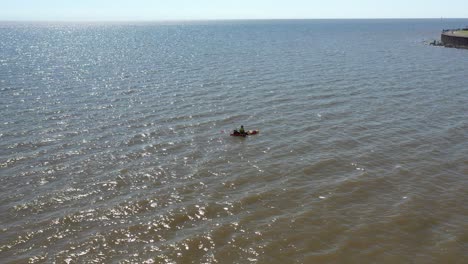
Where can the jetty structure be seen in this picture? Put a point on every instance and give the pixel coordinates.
(453, 38)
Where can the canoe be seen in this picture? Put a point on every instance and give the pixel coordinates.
(248, 133)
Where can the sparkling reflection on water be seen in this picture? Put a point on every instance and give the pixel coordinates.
(115, 143)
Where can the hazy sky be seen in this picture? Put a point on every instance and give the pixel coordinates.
(227, 9)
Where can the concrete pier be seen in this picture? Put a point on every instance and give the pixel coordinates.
(457, 38)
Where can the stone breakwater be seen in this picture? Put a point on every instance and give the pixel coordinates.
(451, 38)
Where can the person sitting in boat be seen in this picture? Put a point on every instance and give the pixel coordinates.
(242, 131)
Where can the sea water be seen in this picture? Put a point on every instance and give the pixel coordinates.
(115, 146)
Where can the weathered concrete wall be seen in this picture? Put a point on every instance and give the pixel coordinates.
(451, 40)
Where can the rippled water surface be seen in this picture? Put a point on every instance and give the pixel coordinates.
(115, 146)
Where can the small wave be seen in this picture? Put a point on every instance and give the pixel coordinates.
(12, 161)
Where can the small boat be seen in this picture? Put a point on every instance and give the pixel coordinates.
(248, 133)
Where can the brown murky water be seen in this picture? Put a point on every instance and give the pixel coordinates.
(115, 143)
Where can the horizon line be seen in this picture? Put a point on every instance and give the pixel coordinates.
(211, 19)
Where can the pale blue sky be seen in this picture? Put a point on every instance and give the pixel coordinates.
(224, 9)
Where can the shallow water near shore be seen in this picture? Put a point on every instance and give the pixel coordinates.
(115, 146)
